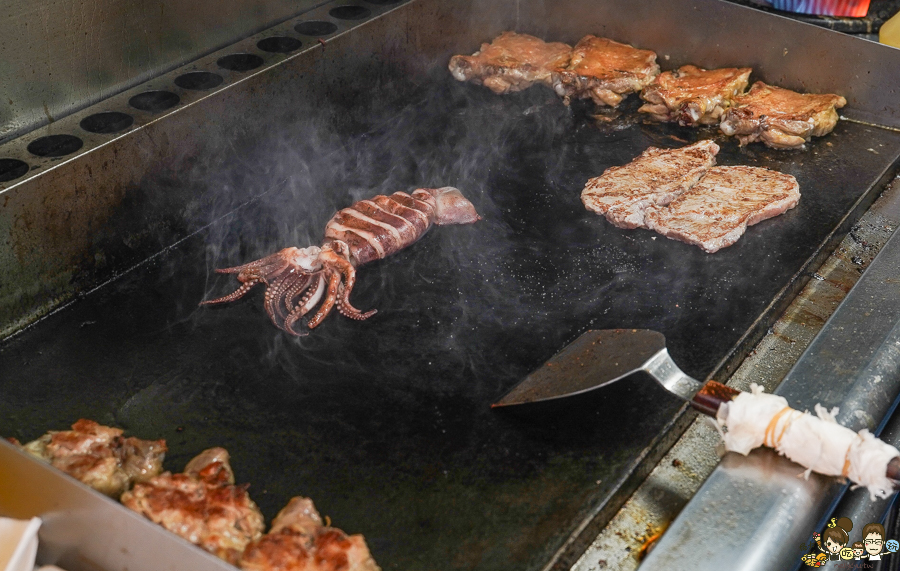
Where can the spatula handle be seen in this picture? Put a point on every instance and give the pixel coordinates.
(711, 396)
(893, 470)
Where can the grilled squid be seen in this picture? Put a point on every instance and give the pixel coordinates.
(299, 280)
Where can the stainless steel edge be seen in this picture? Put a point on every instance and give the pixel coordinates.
(752, 513)
(61, 56)
(84, 530)
(746, 503)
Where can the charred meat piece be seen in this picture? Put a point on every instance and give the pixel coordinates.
(201, 505)
(690, 95)
(604, 70)
(100, 456)
(718, 209)
(657, 177)
(299, 542)
(781, 118)
(512, 62)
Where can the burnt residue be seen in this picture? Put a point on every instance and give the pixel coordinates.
(386, 423)
(712, 396)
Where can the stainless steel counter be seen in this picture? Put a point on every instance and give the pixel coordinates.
(62, 55)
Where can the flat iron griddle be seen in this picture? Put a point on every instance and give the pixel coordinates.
(386, 423)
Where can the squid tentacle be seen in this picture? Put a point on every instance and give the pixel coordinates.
(277, 290)
(307, 302)
(252, 273)
(295, 290)
(339, 264)
(259, 267)
(334, 282)
(235, 295)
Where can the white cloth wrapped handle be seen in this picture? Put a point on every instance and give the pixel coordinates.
(817, 443)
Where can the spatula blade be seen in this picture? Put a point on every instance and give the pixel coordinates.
(595, 359)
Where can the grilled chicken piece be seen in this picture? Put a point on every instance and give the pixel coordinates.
(604, 70)
(299, 542)
(657, 177)
(100, 456)
(512, 62)
(201, 505)
(781, 118)
(694, 96)
(718, 209)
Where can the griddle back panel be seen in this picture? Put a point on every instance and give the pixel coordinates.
(386, 423)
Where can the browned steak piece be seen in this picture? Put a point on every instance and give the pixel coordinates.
(718, 209)
(781, 118)
(604, 70)
(694, 96)
(657, 177)
(298, 541)
(512, 62)
(202, 505)
(100, 456)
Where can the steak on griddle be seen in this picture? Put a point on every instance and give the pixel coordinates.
(781, 118)
(202, 505)
(656, 178)
(605, 71)
(100, 456)
(690, 95)
(512, 62)
(717, 210)
(299, 541)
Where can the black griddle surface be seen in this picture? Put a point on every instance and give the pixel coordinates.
(386, 423)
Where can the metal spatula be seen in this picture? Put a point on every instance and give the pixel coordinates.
(598, 358)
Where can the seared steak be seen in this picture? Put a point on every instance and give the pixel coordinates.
(201, 505)
(100, 456)
(694, 96)
(657, 177)
(299, 541)
(604, 70)
(781, 118)
(512, 62)
(718, 209)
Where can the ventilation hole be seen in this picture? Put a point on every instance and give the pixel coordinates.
(350, 12)
(11, 169)
(55, 145)
(154, 101)
(279, 45)
(198, 80)
(240, 62)
(315, 28)
(109, 122)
